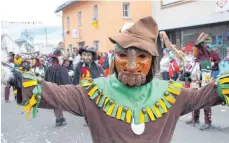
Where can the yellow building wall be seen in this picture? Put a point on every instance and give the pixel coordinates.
(110, 21)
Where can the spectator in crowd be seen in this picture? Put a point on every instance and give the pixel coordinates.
(164, 64)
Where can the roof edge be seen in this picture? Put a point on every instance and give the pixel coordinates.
(64, 5)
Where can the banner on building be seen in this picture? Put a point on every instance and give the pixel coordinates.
(75, 34)
(222, 5)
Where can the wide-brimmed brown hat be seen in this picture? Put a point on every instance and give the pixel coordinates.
(143, 35)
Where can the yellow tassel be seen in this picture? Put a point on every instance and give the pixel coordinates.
(109, 111)
(163, 106)
(174, 91)
(119, 113)
(97, 100)
(105, 102)
(157, 111)
(225, 91)
(29, 83)
(28, 115)
(128, 116)
(92, 91)
(150, 113)
(170, 99)
(177, 84)
(224, 80)
(32, 102)
(227, 99)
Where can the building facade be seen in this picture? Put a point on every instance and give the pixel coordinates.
(184, 20)
(9, 45)
(91, 23)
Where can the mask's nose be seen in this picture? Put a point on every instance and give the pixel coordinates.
(131, 64)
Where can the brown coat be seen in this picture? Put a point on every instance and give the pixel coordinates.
(105, 129)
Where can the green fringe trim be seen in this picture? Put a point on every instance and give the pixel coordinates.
(168, 99)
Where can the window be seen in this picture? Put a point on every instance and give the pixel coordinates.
(95, 11)
(96, 44)
(81, 44)
(68, 23)
(79, 18)
(126, 10)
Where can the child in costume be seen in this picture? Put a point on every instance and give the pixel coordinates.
(130, 105)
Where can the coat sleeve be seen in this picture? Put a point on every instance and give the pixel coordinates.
(68, 98)
(207, 96)
(76, 76)
(193, 99)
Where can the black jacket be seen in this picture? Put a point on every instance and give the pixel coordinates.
(57, 74)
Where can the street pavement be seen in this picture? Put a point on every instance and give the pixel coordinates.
(16, 129)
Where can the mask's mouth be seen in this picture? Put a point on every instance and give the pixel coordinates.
(131, 79)
(125, 71)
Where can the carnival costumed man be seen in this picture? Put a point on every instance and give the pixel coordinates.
(87, 68)
(68, 64)
(215, 59)
(202, 54)
(58, 74)
(130, 105)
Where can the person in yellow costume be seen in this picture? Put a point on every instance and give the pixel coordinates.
(18, 62)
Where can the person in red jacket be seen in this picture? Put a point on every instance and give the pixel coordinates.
(215, 59)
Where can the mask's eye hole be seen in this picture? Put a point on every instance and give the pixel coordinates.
(122, 55)
(142, 56)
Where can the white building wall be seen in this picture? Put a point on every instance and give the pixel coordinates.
(192, 13)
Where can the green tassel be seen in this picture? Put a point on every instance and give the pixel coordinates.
(102, 101)
(107, 107)
(136, 115)
(154, 112)
(37, 90)
(146, 118)
(123, 116)
(95, 94)
(161, 110)
(114, 111)
(35, 109)
(225, 86)
(29, 76)
(168, 105)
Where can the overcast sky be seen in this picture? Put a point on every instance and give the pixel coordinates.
(31, 10)
(28, 11)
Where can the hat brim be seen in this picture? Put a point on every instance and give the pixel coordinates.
(126, 41)
(84, 50)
